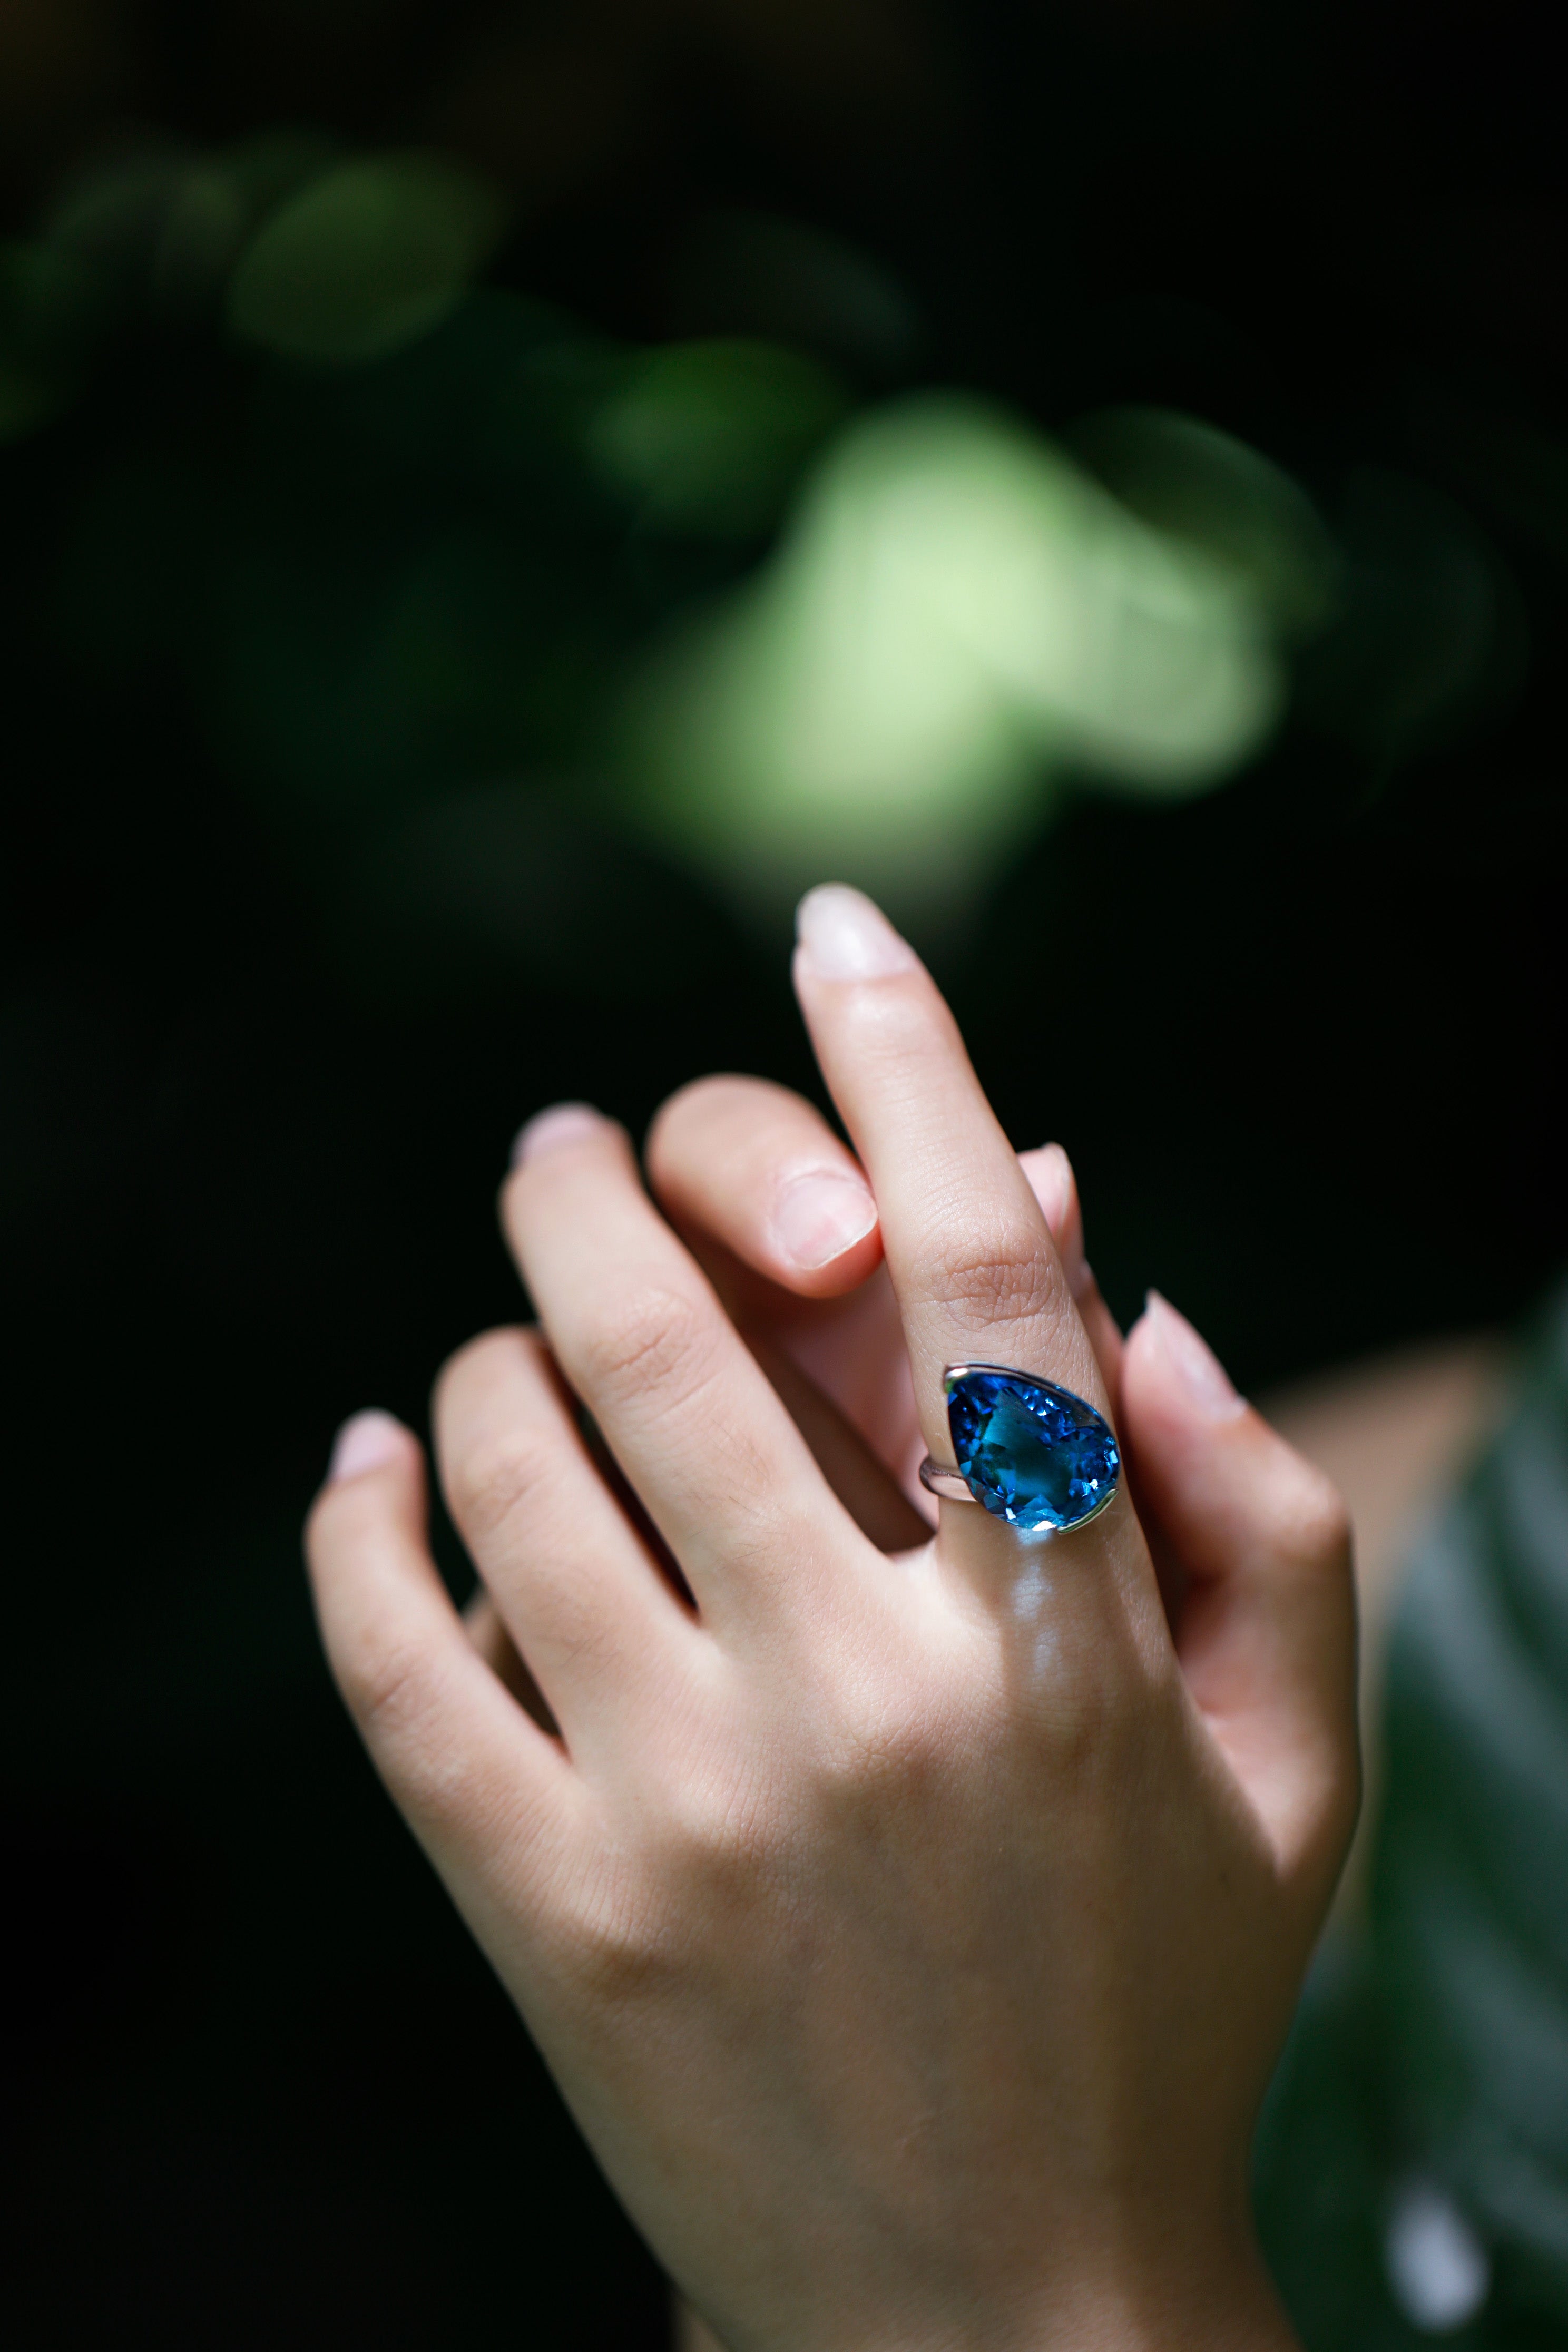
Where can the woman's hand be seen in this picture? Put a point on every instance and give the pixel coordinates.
(911, 1935)
(782, 1218)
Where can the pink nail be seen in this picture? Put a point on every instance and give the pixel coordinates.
(1050, 1172)
(843, 936)
(365, 1443)
(568, 1122)
(819, 1215)
(1194, 1363)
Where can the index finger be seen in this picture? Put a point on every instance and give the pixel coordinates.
(754, 1172)
(752, 1166)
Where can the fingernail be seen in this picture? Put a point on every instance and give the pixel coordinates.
(364, 1442)
(843, 936)
(820, 1214)
(1049, 1172)
(1199, 1370)
(568, 1122)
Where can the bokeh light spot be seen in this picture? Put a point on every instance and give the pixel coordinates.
(957, 614)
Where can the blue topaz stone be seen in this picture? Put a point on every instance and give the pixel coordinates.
(1034, 1454)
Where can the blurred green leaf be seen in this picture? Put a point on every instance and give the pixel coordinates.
(364, 260)
(1438, 2053)
(1470, 1895)
(761, 274)
(957, 613)
(710, 436)
(1195, 483)
(46, 314)
(159, 228)
(1429, 629)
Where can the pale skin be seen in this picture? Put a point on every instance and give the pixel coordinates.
(912, 1921)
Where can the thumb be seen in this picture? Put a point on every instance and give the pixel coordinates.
(1256, 1546)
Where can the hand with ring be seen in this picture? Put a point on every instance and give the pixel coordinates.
(910, 1921)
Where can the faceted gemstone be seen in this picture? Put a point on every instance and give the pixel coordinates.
(1034, 1454)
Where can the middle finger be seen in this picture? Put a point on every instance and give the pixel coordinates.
(709, 1447)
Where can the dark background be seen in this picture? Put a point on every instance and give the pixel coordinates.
(1302, 1035)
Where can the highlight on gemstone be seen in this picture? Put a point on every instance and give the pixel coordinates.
(1034, 1454)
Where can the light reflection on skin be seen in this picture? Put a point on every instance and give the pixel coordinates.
(1034, 1590)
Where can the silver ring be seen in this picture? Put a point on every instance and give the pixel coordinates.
(950, 1485)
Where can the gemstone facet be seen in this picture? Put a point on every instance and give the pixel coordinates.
(1034, 1454)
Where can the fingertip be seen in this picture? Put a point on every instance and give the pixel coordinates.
(552, 1129)
(1210, 1461)
(367, 1440)
(375, 1482)
(824, 1229)
(1163, 1341)
(841, 934)
(1050, 1172)
(375, 1471)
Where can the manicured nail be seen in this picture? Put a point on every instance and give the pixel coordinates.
(843, 936)
(364, 1442)
(1050, 1172)
(1199, 1370)
(819, 1215)
(568, 1122)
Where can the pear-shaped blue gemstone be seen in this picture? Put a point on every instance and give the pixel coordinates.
(1034, 1454)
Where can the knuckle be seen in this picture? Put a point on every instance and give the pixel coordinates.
(1098, 1699)
(654, 1337)
(1314, 1520)
(719, 1827)
(392, 1692)
(473, 1369)
(988, 1275)
(711, 1859)
(698, 1105)
(500, 1478)
(619, 1948)
(896, 1743)
(893, 1744)
(384, 1686)
(1084, 1724)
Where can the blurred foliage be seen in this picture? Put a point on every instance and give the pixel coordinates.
(453, 530)
(364, 260)
(1194, 483)
(46, 303)
(709, 437)
(493, 499)
(1437, 2049)
(957, 614)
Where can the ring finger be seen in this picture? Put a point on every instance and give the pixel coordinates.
(968, 1248)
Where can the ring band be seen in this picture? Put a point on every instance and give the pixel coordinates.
(950, 1485)
(1028, 1452)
